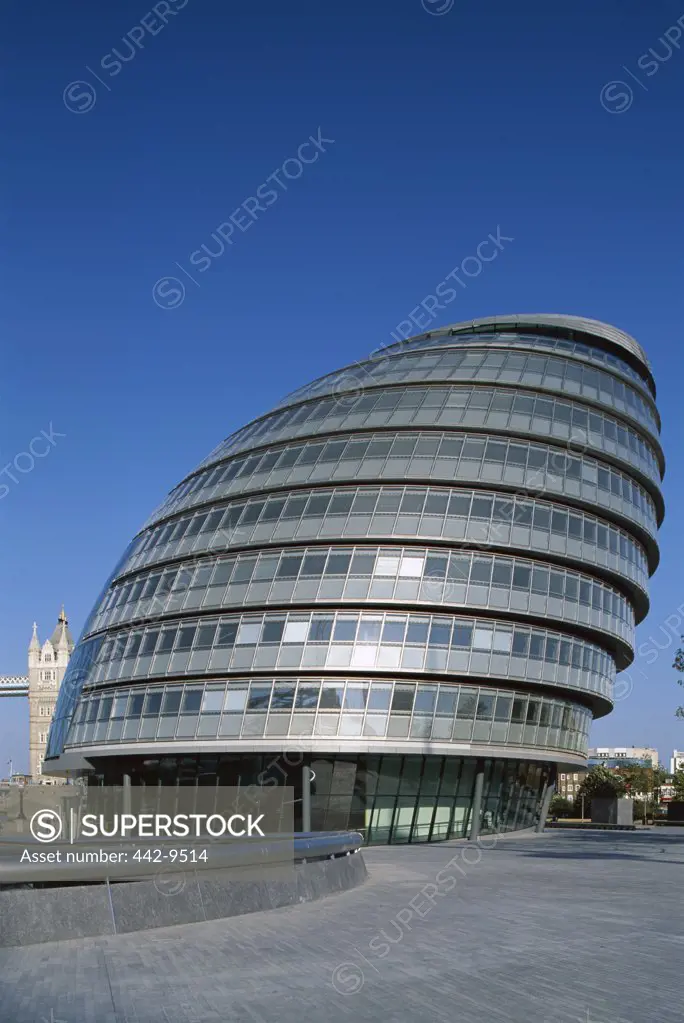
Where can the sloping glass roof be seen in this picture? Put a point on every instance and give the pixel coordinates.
(605, 331)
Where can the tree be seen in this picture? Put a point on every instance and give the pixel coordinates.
(602, 783)
(560, 806)
(678, 665)
(679, 785)
(636, 778)
(642, 779)
(599, 783)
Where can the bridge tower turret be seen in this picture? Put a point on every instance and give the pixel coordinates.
(46, 667)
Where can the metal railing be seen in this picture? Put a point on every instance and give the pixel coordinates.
(14, 685)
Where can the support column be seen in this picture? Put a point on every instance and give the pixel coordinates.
(126, 793)
(306, 799)
(546, 803)
(476, 812)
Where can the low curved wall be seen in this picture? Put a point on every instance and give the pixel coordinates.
(30, 916)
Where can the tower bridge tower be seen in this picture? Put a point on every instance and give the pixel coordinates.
(47, 664)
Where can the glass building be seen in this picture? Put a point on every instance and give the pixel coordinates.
(417, 575)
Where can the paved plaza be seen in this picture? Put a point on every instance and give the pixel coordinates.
(558, 928)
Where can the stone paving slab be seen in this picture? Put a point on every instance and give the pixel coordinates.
(555, 928)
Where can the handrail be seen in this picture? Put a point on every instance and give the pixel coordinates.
(249, 859)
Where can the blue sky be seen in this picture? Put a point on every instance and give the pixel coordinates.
(447, 127)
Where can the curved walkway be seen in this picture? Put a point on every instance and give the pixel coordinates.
(555, 928)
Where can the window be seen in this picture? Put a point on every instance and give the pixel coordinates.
(248, 633)
(482, 639)
(296, 632)
(320, 630)
(345, 630)
(273, 631)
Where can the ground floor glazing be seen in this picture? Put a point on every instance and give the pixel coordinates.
(389, 798)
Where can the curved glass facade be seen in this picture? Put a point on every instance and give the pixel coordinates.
(577, 375)
(513, 411)
(329, 707)
(390, 798)
(487, 519)
(445, 456)
(422, 571)
(390, 574)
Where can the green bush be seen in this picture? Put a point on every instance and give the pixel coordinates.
(560, 807)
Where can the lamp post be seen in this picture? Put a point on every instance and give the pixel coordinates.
(646, 796)
(308, 775)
